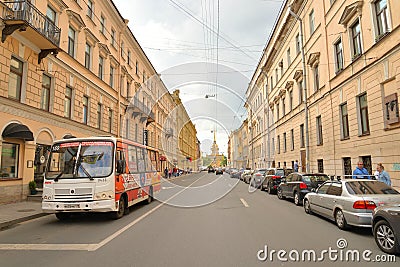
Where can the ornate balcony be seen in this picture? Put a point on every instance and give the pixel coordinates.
(35, 26)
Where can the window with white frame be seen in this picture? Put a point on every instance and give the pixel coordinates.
(381, 18)
(68, 102)
(90, 9)
(99, 114)
(355, 31)
(102, 24)
(298, 44)
(316, 77)
(363, 114)
(101, 67)
(71, 41)
(113, 38)
(85, 110)
(88, 56)
(339, 55)
(344, 121)
(15, 79)
(45, 94)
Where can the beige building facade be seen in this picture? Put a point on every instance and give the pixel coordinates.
(74, 68)
(338, 104)
(238, 150)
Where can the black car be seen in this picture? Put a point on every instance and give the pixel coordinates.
(219, 171)
(211, 169)
(386, 228)
(297, 185)
(273, 178)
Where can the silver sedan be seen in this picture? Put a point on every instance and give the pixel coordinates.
(350, 202)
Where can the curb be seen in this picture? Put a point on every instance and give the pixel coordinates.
(8, 224)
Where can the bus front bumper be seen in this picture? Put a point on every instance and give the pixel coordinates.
(94, 206)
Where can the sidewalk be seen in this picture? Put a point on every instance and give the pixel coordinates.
(14, 213)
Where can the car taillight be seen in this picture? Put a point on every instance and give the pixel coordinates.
(364, 205)
(303, 185)
(275, 177)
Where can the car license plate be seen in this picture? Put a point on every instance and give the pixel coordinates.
(71, 206)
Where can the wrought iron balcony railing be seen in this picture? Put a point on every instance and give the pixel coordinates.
(18, 15)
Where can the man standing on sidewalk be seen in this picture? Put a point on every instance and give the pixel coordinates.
(360, 172)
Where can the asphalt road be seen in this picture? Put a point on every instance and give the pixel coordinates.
(199, 220)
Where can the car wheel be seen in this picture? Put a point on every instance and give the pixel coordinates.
(268, 189)
(296, 198)
(340, 220)
(150, 198)
(62, 216)
(121, 209)
(279, 194)
(385, 238)
(307, 207)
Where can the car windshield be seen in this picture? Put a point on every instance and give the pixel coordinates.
(369, 187)
(315, 178)
(280, 173)
(80, 160)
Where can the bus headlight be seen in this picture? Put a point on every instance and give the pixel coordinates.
(103, 195)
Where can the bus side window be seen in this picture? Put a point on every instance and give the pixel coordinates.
(121, 162)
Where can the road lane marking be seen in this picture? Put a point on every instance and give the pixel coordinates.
(88, 247)
(244, 203)
(167, 187)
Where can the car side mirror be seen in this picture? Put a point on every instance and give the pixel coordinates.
(121, 165)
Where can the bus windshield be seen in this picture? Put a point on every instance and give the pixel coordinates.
(91, 160)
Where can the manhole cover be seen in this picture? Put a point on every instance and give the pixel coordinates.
(26, 210)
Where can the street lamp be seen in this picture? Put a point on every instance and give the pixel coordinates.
(303, 59)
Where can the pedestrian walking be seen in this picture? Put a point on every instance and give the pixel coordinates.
(166, 172)
(383, 176)
(296, 166)
(360, 172)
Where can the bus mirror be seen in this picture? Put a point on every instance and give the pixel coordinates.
(121, 166)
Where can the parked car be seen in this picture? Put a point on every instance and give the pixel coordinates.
(219, 171)
(386, 228)
(257, 178)
(246, 175)
(233, 172)
(350, 202)
(297, 185)
(211, 169)
(273, 178)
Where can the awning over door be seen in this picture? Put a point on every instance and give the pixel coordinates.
(19, 131)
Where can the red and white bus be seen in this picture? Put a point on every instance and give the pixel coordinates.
(98, 174)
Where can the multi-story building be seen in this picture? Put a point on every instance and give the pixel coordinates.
(238, 147)
(188, 153)
(330, 76)
(73, 68)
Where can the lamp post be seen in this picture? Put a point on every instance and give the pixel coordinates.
(303, 59)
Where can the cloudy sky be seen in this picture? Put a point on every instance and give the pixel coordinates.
(201, 57)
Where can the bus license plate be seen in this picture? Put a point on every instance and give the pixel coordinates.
(71, 206)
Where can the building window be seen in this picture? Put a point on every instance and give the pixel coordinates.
(356, 39)
(276, 75)
(290, 100)
(111, 76)
(15, 79)
(113, 37)
(99, 112)
(320, 163)
(129, 57)
(284, 143)
(110, 120)
(289, 60)
(363, 113)
(344, 121)
(122, 50)
(90, 9)
(144, 76)
(137, 68)
(339, 55)
(292, 139)
(300, 85)
(127, 128)
(277, 111)
(302, 144)
(9, 160)
(283, 107)
(381, 14)
(391, 109)
(71, 42)
(319, 131)
(312, 22)
(272, 82)
(278, 143)
(298, 44)
(316, 77)
(281, 67)
(347, 166)
(101, 67)
(68, 102)
(45, 95)
(102, 24)
(88, 55)
(85, 101)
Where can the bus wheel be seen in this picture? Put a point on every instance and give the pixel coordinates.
(62, 216)
(150, 198)
(121, 209)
